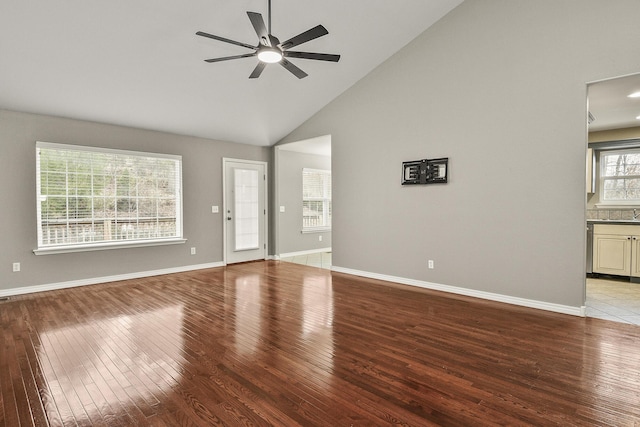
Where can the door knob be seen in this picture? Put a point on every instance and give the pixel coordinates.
(228, 218)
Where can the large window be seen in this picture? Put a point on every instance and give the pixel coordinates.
(316, 200)
(620, 177)
(90, 198)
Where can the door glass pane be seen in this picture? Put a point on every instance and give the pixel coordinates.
(246, 209)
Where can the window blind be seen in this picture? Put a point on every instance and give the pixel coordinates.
(316, 199)
(91, 196)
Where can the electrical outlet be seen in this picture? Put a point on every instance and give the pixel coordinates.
(320, 238)
(16, 267)
(431, 267)
(193, 251)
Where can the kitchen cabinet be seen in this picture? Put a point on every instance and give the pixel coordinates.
(591, 175)
(616, 249)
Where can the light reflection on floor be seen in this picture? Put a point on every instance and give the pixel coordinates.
(248, 306)
(108, 358)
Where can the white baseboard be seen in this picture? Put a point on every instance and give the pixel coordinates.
(541, 305)
(300, 253)
(105, 279)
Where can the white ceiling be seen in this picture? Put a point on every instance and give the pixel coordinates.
(610, 106)
(320, 146)
(139, 63)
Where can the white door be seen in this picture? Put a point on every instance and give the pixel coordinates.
(245, 210)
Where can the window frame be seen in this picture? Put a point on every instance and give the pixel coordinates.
(602, 179)
(324, 200)
(44, 249)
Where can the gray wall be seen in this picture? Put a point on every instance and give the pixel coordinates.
(202, 188)
(499, 87)
(289, 182)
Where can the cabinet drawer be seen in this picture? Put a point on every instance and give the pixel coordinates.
(621, 230)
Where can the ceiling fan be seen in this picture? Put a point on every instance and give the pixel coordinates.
(270, 50)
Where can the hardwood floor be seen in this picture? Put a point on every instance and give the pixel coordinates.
(275, 343)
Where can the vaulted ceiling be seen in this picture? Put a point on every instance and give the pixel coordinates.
(140, 64)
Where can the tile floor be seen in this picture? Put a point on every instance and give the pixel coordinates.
(321, 260)
(615, 300)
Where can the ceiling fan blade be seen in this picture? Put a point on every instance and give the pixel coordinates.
(314, 33)
(258, 70)
(222, 39)
(226, 58)
(261, 29)
(311, 55)
(293, 69)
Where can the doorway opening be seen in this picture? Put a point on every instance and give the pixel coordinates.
(612, 291)
(303, 189)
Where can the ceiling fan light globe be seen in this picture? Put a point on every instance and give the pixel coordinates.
(270, 56)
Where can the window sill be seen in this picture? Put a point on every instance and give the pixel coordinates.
(316, 230)
(106, 246)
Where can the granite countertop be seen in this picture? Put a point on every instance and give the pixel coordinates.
(614, 221)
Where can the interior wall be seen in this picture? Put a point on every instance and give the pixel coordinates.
(202, 188)
(498, 87)
(289, 177)
(615, 134)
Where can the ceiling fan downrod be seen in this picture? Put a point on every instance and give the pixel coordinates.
(269, 16)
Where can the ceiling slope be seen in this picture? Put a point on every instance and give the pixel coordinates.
(140, 63)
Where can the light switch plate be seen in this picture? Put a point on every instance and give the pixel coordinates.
(281, 208)
(214, 209)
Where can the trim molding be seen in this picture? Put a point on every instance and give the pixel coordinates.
(300, 253)
(541, 305)
(105, 279)
(107, 246)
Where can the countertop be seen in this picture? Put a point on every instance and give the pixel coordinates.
(614, 221)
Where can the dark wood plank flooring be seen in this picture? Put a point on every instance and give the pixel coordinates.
(273, 343)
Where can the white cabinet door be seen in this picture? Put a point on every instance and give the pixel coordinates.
(612, 254)
(635, 256)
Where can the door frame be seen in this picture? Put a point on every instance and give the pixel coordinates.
(225, 163)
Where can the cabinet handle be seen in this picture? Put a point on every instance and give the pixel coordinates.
(629, 238)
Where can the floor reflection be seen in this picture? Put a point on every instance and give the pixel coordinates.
(317, 327)
(317, 306)
(608, 368)
(269, 325)
(90, 367)
(248, 307)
